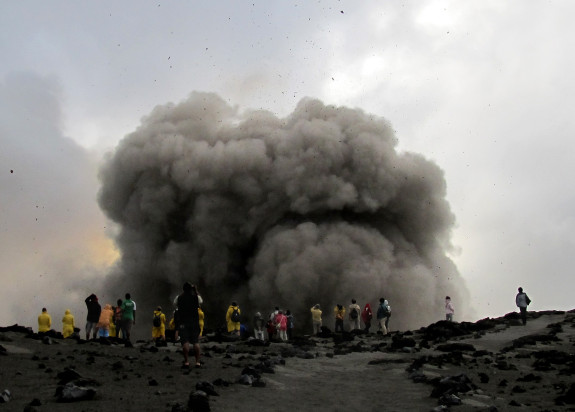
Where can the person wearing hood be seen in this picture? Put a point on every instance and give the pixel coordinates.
(104, 321)
(233, 322)
(44, 321)
(159, 324)
(94, 310)
(67, 324)
(366, 316)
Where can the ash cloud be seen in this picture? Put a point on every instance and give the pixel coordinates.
(54, 250)
(317, 207)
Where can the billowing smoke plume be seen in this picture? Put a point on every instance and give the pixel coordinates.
(318, 207)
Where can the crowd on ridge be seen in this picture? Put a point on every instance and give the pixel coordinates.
(187, 322)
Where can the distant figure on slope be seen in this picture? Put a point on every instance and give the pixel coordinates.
(201, 317)
(366, 316)
(67, 324)
(104, 321)
(259, 326)
(316, 319)
(187, 322)
(449, 309)
(290, 324)
(383, 315)
(128, 317)
(281, 325)
(117, 319)
(159, 325)
(522, 301)
(233, 318)
(339, 312)
(354, 315)
(44, 321)
(94, 311)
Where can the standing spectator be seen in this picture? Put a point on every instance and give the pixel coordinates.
(201, 317)
(522, 301)
(366, 316)
(187, 322)
(383, 315)
(104, 321)
(339, 312)
(233, 317)
(128, 317)
(316, 319)
(94, 310)
(159, 324)
(449, 309)
(290, 324)
(259, 326)
(272, 330)
(67, 324)
(118, 319)
(44, 321)
(354, 313)
(281, 325)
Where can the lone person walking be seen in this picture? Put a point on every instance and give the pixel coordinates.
(522, 301)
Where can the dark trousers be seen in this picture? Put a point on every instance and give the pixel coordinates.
(339, 325)
(523, 314)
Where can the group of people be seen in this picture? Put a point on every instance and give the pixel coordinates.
(100, 322)
(355, 315)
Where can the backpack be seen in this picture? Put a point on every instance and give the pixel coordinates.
(157, 321)
(353, 314)
(235, 317)
(383, 311)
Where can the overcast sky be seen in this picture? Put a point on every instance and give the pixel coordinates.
(485, 89)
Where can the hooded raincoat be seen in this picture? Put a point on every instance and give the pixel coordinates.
(67, 324)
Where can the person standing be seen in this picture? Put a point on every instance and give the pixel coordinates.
(281, 325)
(201, 317)
(522, 301)
(44, 321)
(128, 317)
(94, 311)
(188, 323)
(316, 319)
(67, 324)
(233, 318)
(383, 315)
(339, 312)
(159, 325)
(449, 309)
(366, 316)
(354, 315)
(104, 321)
(259, 326)
(118, 319)
(290, 324)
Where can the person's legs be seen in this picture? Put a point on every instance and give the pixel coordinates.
(186, 351)
(197, 353)
(382, 326)
(523, 315)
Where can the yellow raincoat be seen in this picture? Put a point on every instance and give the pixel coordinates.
(67, 324)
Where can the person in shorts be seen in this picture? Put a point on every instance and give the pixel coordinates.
(189, 323)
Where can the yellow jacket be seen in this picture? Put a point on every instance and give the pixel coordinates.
(201, 320)
(67, 324)
(106, 317)
(44, 322)
(316, 314)
(159, 331)
(232, 326)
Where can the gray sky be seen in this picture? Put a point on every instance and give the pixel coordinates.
(482, 88)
